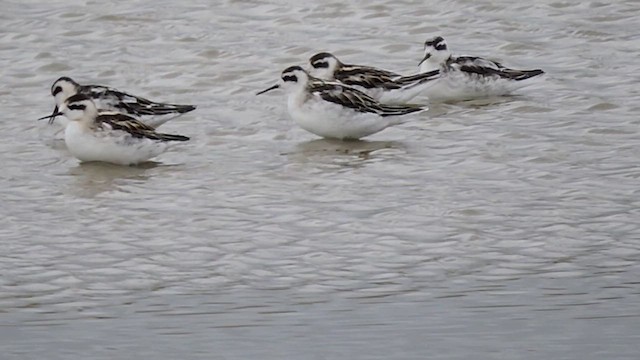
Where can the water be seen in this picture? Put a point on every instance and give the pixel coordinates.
(501, 229)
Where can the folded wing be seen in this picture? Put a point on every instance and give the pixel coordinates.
(134, 127)
(354, 99)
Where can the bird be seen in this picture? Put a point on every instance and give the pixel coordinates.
(335, 110)
(468, 77)
(105, 98)
(109, 137)
(385, 86)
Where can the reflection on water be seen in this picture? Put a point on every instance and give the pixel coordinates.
(94, 178)
(495, 229)
(349, 154)
(359, 148)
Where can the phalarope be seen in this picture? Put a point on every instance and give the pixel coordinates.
(105, 98)
(109, 137)
(335, 110)
(385, 86)
(468, 77)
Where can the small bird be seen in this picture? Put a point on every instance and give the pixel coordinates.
(149, 112)
(109, 137)
(335, 110)
(382, 85)
(468, 77)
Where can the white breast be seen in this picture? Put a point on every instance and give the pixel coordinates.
(117, 147)
(331, 120)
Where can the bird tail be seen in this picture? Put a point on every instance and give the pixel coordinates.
(160, 109)
(395, 110)
(171, 137)
(183, 108)
(519, 75)
(418, 79)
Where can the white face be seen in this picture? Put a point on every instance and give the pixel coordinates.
(62, 89)
(436, 53)
(323, 65)
(79, 107)
(293, 78)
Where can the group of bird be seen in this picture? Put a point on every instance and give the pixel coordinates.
(327, 97)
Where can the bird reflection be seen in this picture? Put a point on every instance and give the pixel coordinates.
(95, 178)
(328, 149)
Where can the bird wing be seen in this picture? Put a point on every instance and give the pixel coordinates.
(485, 67)
(417, 79)
(113, 99)
(137, 129)
(357, 100)
(367, 77)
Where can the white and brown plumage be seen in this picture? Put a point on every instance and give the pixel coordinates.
(109, 137)
(468, 77)
(335, 110)
(385, 86)
(109, 99)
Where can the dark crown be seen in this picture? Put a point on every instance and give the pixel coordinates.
(293, 68)
(320, 56)
(77, 98)
(435, 42)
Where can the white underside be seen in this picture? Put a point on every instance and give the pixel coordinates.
(112, 146)
(333, 121)
(456, 86)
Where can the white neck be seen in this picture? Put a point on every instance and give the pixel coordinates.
(437, 59)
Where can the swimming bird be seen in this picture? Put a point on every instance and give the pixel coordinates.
(105, 98)
(335, 110)
(109, 137)
(385, 86)
(468, 77)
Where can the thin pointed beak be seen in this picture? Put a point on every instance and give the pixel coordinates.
(53, 115)
(269, 89)
(425, 58)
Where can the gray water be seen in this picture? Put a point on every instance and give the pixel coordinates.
(496, 229)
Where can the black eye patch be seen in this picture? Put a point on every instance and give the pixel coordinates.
(433, 42)
(56, 90)
(77, 107)
(292, 78)
(441, 47)
(321, 64)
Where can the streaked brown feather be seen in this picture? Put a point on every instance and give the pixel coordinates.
(371, 78)
(350, 97)
(483, 67)
(135, 127)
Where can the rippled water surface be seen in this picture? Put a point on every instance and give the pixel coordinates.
(499, 229)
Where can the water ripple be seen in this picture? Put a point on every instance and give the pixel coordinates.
(484, 227)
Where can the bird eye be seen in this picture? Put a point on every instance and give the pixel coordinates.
(435, 42)
(441, 47)
(321, 64)
(56, 90)
(291, 78)
(77, 107)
